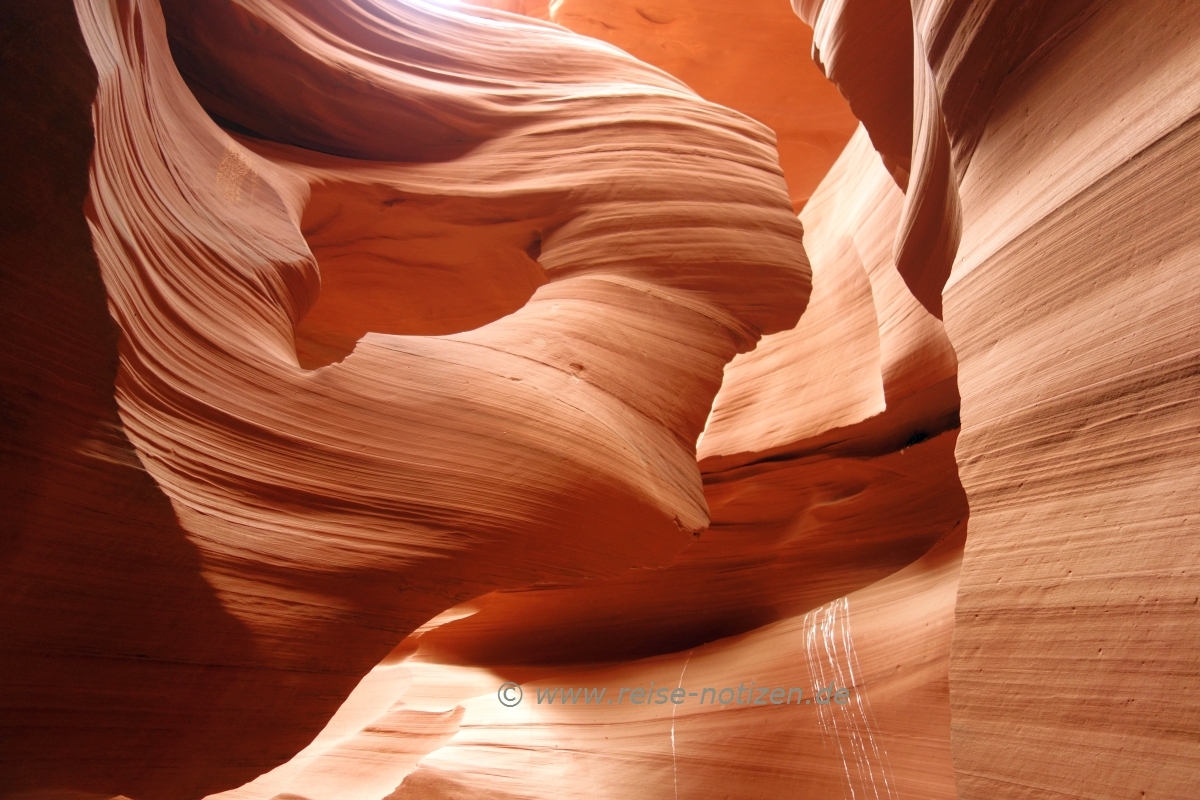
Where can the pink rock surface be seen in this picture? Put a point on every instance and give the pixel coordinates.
(364, 355)
(750, 56)
(1067, 132)
(1072, 308)
(888, 645)
(333, 511)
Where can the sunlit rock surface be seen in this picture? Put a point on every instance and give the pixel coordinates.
(1057, 138)
(751, 56)
(326, 514)
(366, 355)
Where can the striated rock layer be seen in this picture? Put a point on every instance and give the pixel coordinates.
(325, 514)
(853, 410)
(750, 56)
(1082, 465)
(1055, 138)
(891, 739)
(453, 348)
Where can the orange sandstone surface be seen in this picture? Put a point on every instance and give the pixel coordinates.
(372, 364)
(752, 56)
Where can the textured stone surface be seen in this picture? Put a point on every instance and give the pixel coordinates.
(324, 515)
(1073, 309)
(362, 355)
(1067, 167)
(751, 56)
(888, 644)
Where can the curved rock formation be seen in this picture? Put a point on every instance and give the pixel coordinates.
(333, 511)
(853, 410)
(365, 355)
(1088, 444)
(890, 741)
(1068, 127)
(796, 525)
(749, 56)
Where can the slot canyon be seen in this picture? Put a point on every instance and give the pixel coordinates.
(600, 400)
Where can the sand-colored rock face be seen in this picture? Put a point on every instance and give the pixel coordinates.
(1082, 470)
(329, 513)
(365, 355)
(1074, 638)
(751, 56)
(442, 729)
(815, 430)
